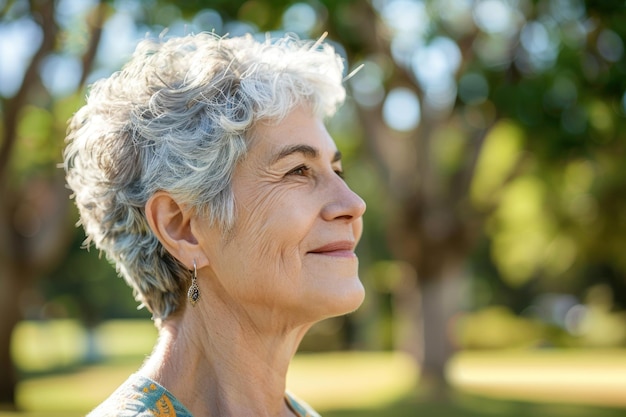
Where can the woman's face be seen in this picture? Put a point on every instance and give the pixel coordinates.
(291, 251)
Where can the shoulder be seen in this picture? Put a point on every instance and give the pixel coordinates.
(301, 408)
(140, 397)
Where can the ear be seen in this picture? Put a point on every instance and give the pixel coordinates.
(171, 224)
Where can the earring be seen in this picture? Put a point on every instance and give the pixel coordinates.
(194, 292)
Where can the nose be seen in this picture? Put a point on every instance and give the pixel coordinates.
(343, 203)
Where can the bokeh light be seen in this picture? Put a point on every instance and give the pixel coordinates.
(401, 110)
(207, 20)
(495, 17)
(407, 16)
(541, 48)
(19, 40)
(610, 45)
(60, 73)
(367, 85)
(300, 18)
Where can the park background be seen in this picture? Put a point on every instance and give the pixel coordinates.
(488, 140)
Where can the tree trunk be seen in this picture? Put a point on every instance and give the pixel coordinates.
(408, 329)
(9, 314)
(40, 208)
(10, 286)
(441, 301)
(424, 311)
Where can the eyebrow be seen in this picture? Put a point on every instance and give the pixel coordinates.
(306, 150)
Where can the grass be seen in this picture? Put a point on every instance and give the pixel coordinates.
(340, 381)
(339, 384)
(596, 377)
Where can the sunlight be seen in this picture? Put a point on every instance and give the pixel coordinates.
(401, 110)
(61, 73)
(300, 18)
(494, 16)
(579, 377)
(19, 40)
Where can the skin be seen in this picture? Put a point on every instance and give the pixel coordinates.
(288, 263)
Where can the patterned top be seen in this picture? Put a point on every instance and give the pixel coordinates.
(142, 397)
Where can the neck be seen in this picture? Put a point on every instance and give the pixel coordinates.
(221, 362)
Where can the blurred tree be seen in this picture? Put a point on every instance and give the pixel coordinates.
(35, 226)
(493, 120)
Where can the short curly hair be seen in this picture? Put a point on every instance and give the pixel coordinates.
(178, 117)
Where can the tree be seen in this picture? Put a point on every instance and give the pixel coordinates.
(35, 225)
(505, 100)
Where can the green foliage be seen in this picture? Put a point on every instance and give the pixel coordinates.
(36, 148)
(500, 154)
(86, 286)
(496, 327)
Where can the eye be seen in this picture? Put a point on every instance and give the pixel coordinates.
(339, 173)
(301, 171)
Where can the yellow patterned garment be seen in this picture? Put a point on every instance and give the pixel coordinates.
(142, 397)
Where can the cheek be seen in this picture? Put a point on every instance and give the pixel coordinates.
(270, 228)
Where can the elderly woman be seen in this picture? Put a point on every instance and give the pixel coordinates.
(204, 172)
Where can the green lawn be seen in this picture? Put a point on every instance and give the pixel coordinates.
(364, 384)
(347, 385)
(594, 377)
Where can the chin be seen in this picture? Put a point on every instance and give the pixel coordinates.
(344, 300)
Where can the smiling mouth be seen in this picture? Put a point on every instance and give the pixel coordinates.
(342, 249)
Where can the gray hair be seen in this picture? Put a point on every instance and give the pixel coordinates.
(178, 118)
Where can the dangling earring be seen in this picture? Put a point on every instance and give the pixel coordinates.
(194, 292)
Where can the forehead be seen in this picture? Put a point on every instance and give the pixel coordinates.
(299, 127)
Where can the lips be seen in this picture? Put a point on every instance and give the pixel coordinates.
(342, 248)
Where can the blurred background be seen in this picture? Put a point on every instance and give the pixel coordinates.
(488, 139)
